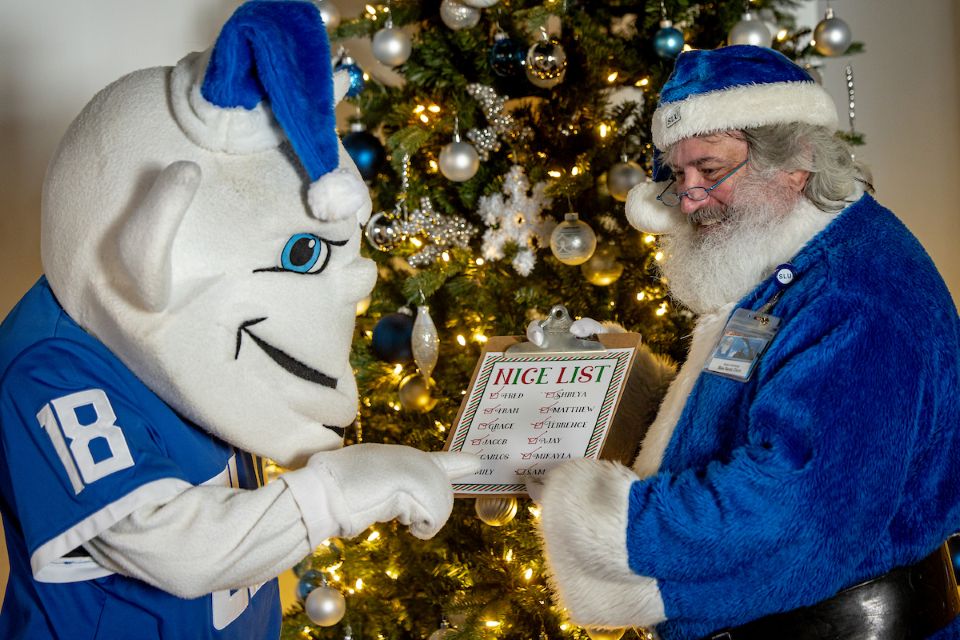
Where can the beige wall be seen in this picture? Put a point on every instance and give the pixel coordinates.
(55, 54)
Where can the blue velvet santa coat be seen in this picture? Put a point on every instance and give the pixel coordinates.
(836, 462)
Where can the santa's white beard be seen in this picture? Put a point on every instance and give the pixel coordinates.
(764, 226)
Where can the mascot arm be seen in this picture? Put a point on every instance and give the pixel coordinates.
(814, 480)
(209, 539)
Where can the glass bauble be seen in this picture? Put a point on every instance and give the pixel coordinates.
(622, 177)
(325, 606)
(496, 511)
(328, 13)
(382, 231)
(457, 15)
(831, 36)
(391, 338)
(365, 150)
(668, 41)
(416, 393)
(506, 56)
(546, 63)
(355, 73)
(603, 268)
(573, 241)
(750, 30)
(459, 161)
(391, 46)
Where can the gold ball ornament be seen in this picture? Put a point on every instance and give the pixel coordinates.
(496, 511)
(605, 634)
(416, 393)
(602, 269)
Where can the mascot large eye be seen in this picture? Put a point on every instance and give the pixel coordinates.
(305, 253)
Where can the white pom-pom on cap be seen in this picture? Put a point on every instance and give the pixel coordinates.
(340, 194)
(648, 214)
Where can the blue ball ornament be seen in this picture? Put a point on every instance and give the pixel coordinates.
(391, 338)
(506, 56)
(356, 77)
(309, 580)
(668, 41)
(365, 150)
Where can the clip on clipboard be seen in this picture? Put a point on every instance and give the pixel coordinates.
(530, 408)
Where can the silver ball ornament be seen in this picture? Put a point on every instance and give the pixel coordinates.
(573, 241)
(622, 177)
(496, 511)
(382, 232)
(459, 161)
(457, 15)
(391, 46)
(831, 36)
(546, 64)
(328, 13)
(750, 30)
(480, 4)
(325, 606)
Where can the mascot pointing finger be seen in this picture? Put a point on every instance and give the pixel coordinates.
(200, 242)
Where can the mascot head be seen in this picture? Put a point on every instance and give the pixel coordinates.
(203, 223)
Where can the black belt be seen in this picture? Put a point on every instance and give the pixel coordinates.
(908, 603)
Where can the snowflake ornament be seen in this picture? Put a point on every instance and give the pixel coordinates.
(514, 217)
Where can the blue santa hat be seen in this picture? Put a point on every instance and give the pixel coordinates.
(273, 57)
(731, 88)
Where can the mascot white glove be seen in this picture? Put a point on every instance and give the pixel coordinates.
(368, 483)
(582, 328)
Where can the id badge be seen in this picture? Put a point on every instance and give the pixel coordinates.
(744, 340)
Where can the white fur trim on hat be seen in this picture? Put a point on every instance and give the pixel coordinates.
(743, 107)
(231, 130)
(340, 194)
(648, 214)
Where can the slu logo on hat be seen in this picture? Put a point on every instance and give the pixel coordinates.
(673, 117)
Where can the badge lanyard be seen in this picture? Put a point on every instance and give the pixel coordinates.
(748, 333)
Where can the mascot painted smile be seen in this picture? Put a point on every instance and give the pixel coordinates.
(200, 240)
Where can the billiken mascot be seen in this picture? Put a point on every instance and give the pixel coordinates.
(200, 241)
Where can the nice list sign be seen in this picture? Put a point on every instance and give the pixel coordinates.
(526, 412)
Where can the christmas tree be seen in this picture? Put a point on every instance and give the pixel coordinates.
(513, 115)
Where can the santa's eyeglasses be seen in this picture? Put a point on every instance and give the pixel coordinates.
(697, 194)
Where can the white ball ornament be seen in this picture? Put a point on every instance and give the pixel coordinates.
(325, 606)
(391, 46)
(750, 30)
(831, 36)
(459, 161)
(573, 241)
(480, 4)
(457, 15)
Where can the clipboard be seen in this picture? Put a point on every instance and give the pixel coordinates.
(530, 408)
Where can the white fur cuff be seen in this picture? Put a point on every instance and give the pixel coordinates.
(309, 489)
(584, 529)
(648, 214)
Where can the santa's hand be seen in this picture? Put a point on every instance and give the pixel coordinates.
(582, 328)
(368, 483)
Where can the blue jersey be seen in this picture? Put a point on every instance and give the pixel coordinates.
(84, 444)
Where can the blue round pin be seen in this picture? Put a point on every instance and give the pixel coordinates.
(784, 275)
